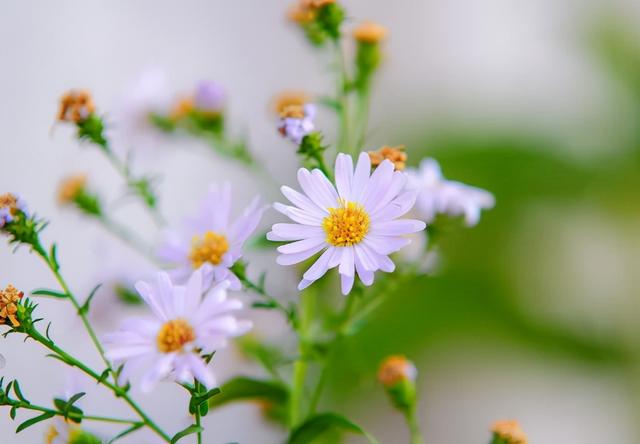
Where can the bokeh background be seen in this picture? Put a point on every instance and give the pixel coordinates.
(533, 314)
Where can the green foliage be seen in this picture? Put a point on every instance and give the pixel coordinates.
(88, 203)
(368, 58)
(92, 130)
(68, 409)
(317, 425)
(127, 295)
(186, 432)
(242, 388)
(329, 19)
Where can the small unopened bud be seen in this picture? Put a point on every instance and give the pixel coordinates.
(289, 98)
(398, 375)
(395, 154)
(71, 187)
(76, 106)
(508, 432)
(369, 32)
(182, 108)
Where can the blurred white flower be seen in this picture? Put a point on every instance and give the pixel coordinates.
(208, 240)
(437, 195)
(354, 222)
(133, 128)
(186, 325)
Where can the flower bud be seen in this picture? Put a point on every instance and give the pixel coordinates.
(10, 207)
(369, 32)
(76, 106)
(73, 190)
(398, 375)
(318, 18)
(395, 154)
(9, 301)
(508, 432)
(209, 97)
(368, 36)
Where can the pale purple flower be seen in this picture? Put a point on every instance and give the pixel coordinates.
(6, 211)
(133, 128)
(209, 97)
(437, 195)
(295, 128)
(209, 240)
(354, 223)
(189, 321)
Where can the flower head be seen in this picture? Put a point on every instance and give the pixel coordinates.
(209, 240)
(369, 32)
(9, 300)
(71, 187)
(395, 369)
(209, 97)
(305, 11)
(289, 98)
(395, 154)
(437, 195)
(296, 121)
(186, 325)
(76, 106)
(10, 205)
(509, 431)
(353, 223)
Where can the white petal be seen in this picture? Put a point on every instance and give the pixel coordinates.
(161, 368)
(301, 245)
(303, 202)
(320, 266)
(347, 262)
(344, 175)
(396, 208)
(346, 283)
(397, 227)
(192, 294)
(386, 244)
(286, 232)
(361, 176)
(366, 276)
(298, 215)
(325, 187)
(379, 184)
(290, 259)
(313, 190)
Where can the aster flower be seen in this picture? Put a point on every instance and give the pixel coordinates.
(395, 154)
(395, 369)
(208, 97)
(186, 325)
(208, 240)
(10, 204)
(353, 223)
(296, 121)
(76, 106)
(9, 299)
(437, 195)
(509, 432)
(148, 96)
(369, 32)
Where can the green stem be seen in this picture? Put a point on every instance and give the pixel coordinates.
(197, 415)
(300, 365)
(414, 427)
(343, 100)
(362, 117)
(259, 289)
(117, 390)
(126, 236)
(53, 266)
(75, 415)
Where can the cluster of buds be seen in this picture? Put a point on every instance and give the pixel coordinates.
(73, 190)
(9, 301)
(368, 36)
(320, 19)
(395, 154)
(296, 116)
(76, 106)
(398, 376)
(11, 206)
(508, 432)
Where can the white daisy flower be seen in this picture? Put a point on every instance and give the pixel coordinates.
(186, 325)
(209, 240)
(437, 195)
(353, 223)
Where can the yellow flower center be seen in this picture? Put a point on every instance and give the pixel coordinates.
(346, 225)
(174, 335)
(208, 248)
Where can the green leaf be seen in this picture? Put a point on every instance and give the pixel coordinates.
(67, 408)
(124, 433)
(12, 412)
(316, 425)
(48, 292)
(85, 307)
(243, 388)
(32, 421)
(197, 400)
(53, 257)
(18, 392)
(188, 431)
